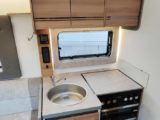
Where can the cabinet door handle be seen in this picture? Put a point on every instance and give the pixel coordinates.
(108, 17)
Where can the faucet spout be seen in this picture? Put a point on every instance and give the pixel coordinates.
(53, 81)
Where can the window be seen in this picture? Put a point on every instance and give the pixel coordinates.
(84, 44)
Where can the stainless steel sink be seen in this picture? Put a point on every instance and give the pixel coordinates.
(67, 94)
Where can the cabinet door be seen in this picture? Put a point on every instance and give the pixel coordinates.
(91, 116)
(122, 7)
(51, 8)
(87, 8)
(122, 12)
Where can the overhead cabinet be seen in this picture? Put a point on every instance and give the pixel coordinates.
(51, 9)
(122, 12)
(87, 8)
(85, 13)
(123, 7)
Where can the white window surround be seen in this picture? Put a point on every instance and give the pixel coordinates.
(81, 62)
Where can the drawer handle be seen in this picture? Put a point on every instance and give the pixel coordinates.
(108, 17)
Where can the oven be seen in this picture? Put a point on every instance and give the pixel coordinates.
(121, 106)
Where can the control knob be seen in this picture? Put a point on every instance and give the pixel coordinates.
(125, 99)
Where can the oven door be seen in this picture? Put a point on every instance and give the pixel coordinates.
(128, 112)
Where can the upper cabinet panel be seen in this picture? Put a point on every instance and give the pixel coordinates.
(87, 8)
(85, 13)
(51, 8)
(123, 7)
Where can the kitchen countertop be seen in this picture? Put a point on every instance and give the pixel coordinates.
(52, 110)
(107, 82)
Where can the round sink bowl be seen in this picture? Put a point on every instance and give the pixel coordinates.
(67, 94)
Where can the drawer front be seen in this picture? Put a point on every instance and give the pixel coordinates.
(91, 116)
(87, 23)
(52, 24)
(122, 21)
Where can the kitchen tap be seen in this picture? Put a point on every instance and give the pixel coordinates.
(55, 82)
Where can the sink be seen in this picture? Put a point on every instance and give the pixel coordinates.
(67, 94)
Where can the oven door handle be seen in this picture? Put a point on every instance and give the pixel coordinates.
(119, 108)
(134, 118)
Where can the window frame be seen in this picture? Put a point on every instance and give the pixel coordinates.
(108, 45)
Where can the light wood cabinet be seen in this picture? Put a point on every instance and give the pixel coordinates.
(51, 8)
(122, 7)
(122, 21)
(91, 116)
(122, 12)
(87, 8)
(85, 13)
(87, 23)
(52, 24)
